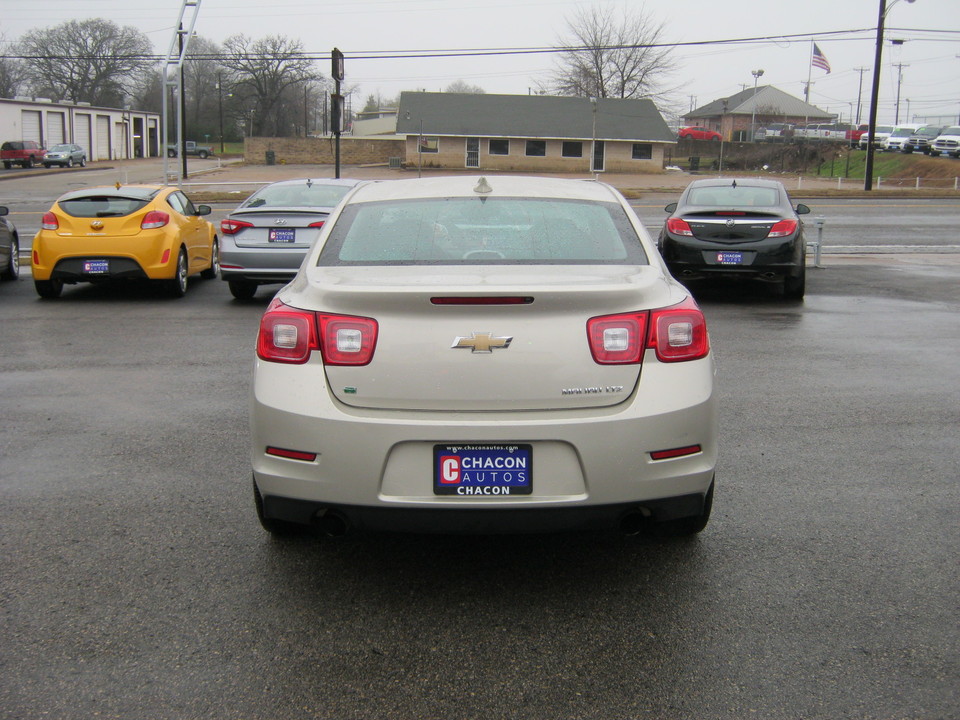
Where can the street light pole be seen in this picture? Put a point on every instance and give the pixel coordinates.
(220, 108)
(757, 74)
(875, 93)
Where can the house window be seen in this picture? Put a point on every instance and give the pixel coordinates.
(536, 148)
(572, 149)
(499, 147)
(642, 151)
(429, 144)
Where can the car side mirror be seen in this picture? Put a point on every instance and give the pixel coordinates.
(4, 210)
(206, 210)
(673, 206)
(802, 209)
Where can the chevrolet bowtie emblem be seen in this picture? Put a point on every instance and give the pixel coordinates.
(482, 342)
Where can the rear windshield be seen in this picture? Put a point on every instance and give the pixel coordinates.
(102, 206)
(298, 196)
(729, 196)
(483, 231)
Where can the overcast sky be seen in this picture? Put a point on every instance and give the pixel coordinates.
(930, 29)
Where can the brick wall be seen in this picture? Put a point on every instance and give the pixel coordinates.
(322, 151)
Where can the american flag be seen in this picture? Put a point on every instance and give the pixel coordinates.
(820, 60)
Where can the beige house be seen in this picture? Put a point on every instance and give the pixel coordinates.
(737, 117)
(532, 133)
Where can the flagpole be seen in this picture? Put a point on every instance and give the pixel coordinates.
(806, 92)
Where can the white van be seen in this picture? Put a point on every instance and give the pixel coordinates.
(899, 135)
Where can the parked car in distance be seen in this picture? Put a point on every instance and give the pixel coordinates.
(880, 133)
(265, 238)
(483, 355)
(699, 133)
(775, 132)
(741, 228)
(919, 141)
(25, 153)
(901, 133)
(128, 232)
(947, 142)
(65, 155)
(9, 247)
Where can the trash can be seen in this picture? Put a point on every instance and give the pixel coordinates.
(694, 163)
(271, 157)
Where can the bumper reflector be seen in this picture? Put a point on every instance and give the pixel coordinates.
(675, 452)
(291, 454)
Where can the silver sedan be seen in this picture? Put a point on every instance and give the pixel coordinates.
(264, 240)
(486, 355)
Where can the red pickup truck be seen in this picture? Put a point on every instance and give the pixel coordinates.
(25, 153)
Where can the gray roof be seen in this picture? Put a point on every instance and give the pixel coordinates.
(769, 101)
(530, 116)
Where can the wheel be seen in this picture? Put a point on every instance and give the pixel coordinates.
(211, 272)
(685, 527)
(171, 153)
(794, 287)
(47, 165)
(203, 154)
(277, 528)
(69, 162)
(242, 289)
(6, 164)
(177, 286)
(83, 162)
(12, 271)
(48, 289)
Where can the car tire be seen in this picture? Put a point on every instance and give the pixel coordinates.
(177, 286)
(48, 289)
(171, 153)
(47, 165)
(69, 162)
(277, 528)
(242, 289)
(211, 272)
(12, 271)
(83, 162)
(6, 165)
(203, 154)
(685, 527)
(794, 287)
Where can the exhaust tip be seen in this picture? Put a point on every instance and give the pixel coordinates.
(633, 522)
(332, 523)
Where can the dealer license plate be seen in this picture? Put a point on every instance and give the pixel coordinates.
(96, 267)
(483, 470)
(283, 235)
(730, 258)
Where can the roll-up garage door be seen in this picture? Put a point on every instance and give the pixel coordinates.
(103, 137)
(56, 128)
(30, 122)
(81, 132)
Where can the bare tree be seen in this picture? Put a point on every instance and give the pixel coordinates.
(12, 75)
(94, 60)
(201, 73)
(612, 55)
(262, 72)
(459, 86)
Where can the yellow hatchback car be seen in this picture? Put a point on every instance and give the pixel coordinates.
(131, 232)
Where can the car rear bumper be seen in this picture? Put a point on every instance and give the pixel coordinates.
(259, 265)
(771, 259)
(589, 465)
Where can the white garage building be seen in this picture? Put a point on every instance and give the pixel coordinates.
(105, 133)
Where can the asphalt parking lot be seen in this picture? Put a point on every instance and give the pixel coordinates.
(136, 582)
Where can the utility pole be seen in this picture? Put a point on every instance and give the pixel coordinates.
(900, 67)
(860, 70)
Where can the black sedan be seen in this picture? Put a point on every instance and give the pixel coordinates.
(736, 228)
(9, 248)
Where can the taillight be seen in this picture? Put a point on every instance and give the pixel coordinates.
(679, 226)
(617, 339)
(232, 227)
(679, 333)
(287, 335)
(317, 224)
(676, 333)
(49, 221)
(154, 219)
(347, 340)
(783, 228)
